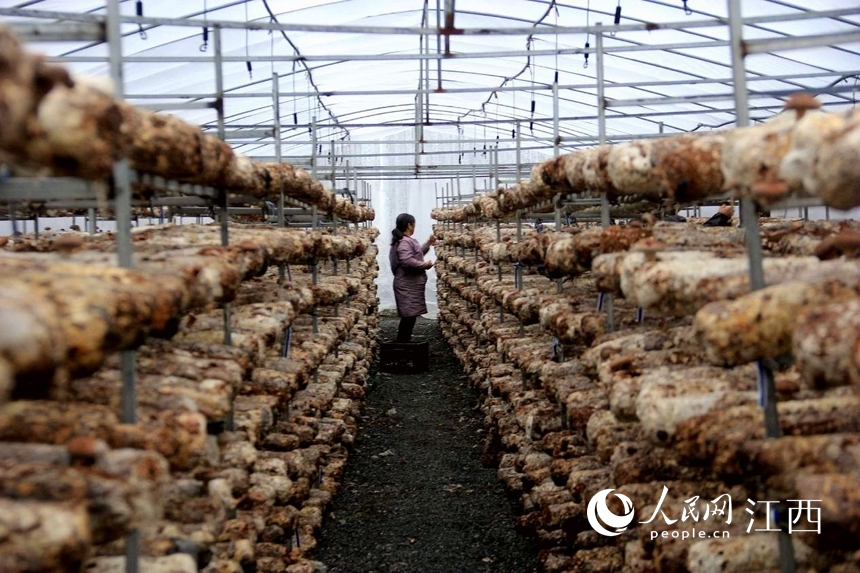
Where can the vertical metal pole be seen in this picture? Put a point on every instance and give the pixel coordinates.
(519, 152)
(14, 218)
(499, 240)
(754, 251)
(601, 129)
(314, 218)
(426, 66)
(739, 74)
(219, 79)
(276, 103)
(438, 46)
(556, 141)
(91, 221)
(219, 108)
(474, 179)
(493, 179)
(333, 175)
(122, 193)
(314, 148)
(419, 133)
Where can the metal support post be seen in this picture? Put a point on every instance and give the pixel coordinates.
(601, 128)
(276, 103)
(333, 175)
(122, 193)
(754, 252)
(556, 142)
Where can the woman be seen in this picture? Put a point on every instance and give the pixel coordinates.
(722, 218)
(410, 274)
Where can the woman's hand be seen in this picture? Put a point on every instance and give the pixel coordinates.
(431, 241)
(428, 265)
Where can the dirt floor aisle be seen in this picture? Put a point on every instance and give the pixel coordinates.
(416, 497)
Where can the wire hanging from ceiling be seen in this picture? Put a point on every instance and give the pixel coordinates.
(272, 50)
(138, 9)
(460, 143)
(205, 44)
(514, 94)
(247, 50)
(295, 48)
(532, 71)
(617, 19)
(484, 113)
(498, 116)
(525, 68)
(556, 43)
(587, 35)
(310, 119)
(295, 98)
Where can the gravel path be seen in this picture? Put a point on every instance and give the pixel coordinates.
(416, 497)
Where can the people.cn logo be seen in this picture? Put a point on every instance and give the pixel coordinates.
(597, 508)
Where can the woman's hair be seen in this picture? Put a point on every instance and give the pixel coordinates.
(403, 222)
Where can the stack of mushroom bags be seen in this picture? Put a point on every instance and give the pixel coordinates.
(671, 399)
(801, 152)
(57, 124)
(236, 449)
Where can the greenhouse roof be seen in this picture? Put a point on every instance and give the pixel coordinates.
(357, 65)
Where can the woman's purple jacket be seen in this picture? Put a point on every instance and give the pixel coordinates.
(410, 277)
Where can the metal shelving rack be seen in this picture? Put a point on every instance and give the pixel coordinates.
(72, 193)
(78, 194)
(740, 48)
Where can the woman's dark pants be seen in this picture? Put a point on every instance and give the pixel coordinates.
(404, 331)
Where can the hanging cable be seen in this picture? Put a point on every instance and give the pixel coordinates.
(532, 72)
(523, 70)
(331, 115)
(205, 43)
(308, 89)
(272, 50)
(587, 35)
(514, 93)
(484, 113)
(295, 98)
(617, 20)
(498, 116)
(687, 10)
(138, 9)
(556, 40)
(460, 143)
(247, 54)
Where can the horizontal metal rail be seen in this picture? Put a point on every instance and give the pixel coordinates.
(725, 97)
(490, 89)
(512, 120)
(425, 30)
(799, 42)
(61, 32)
